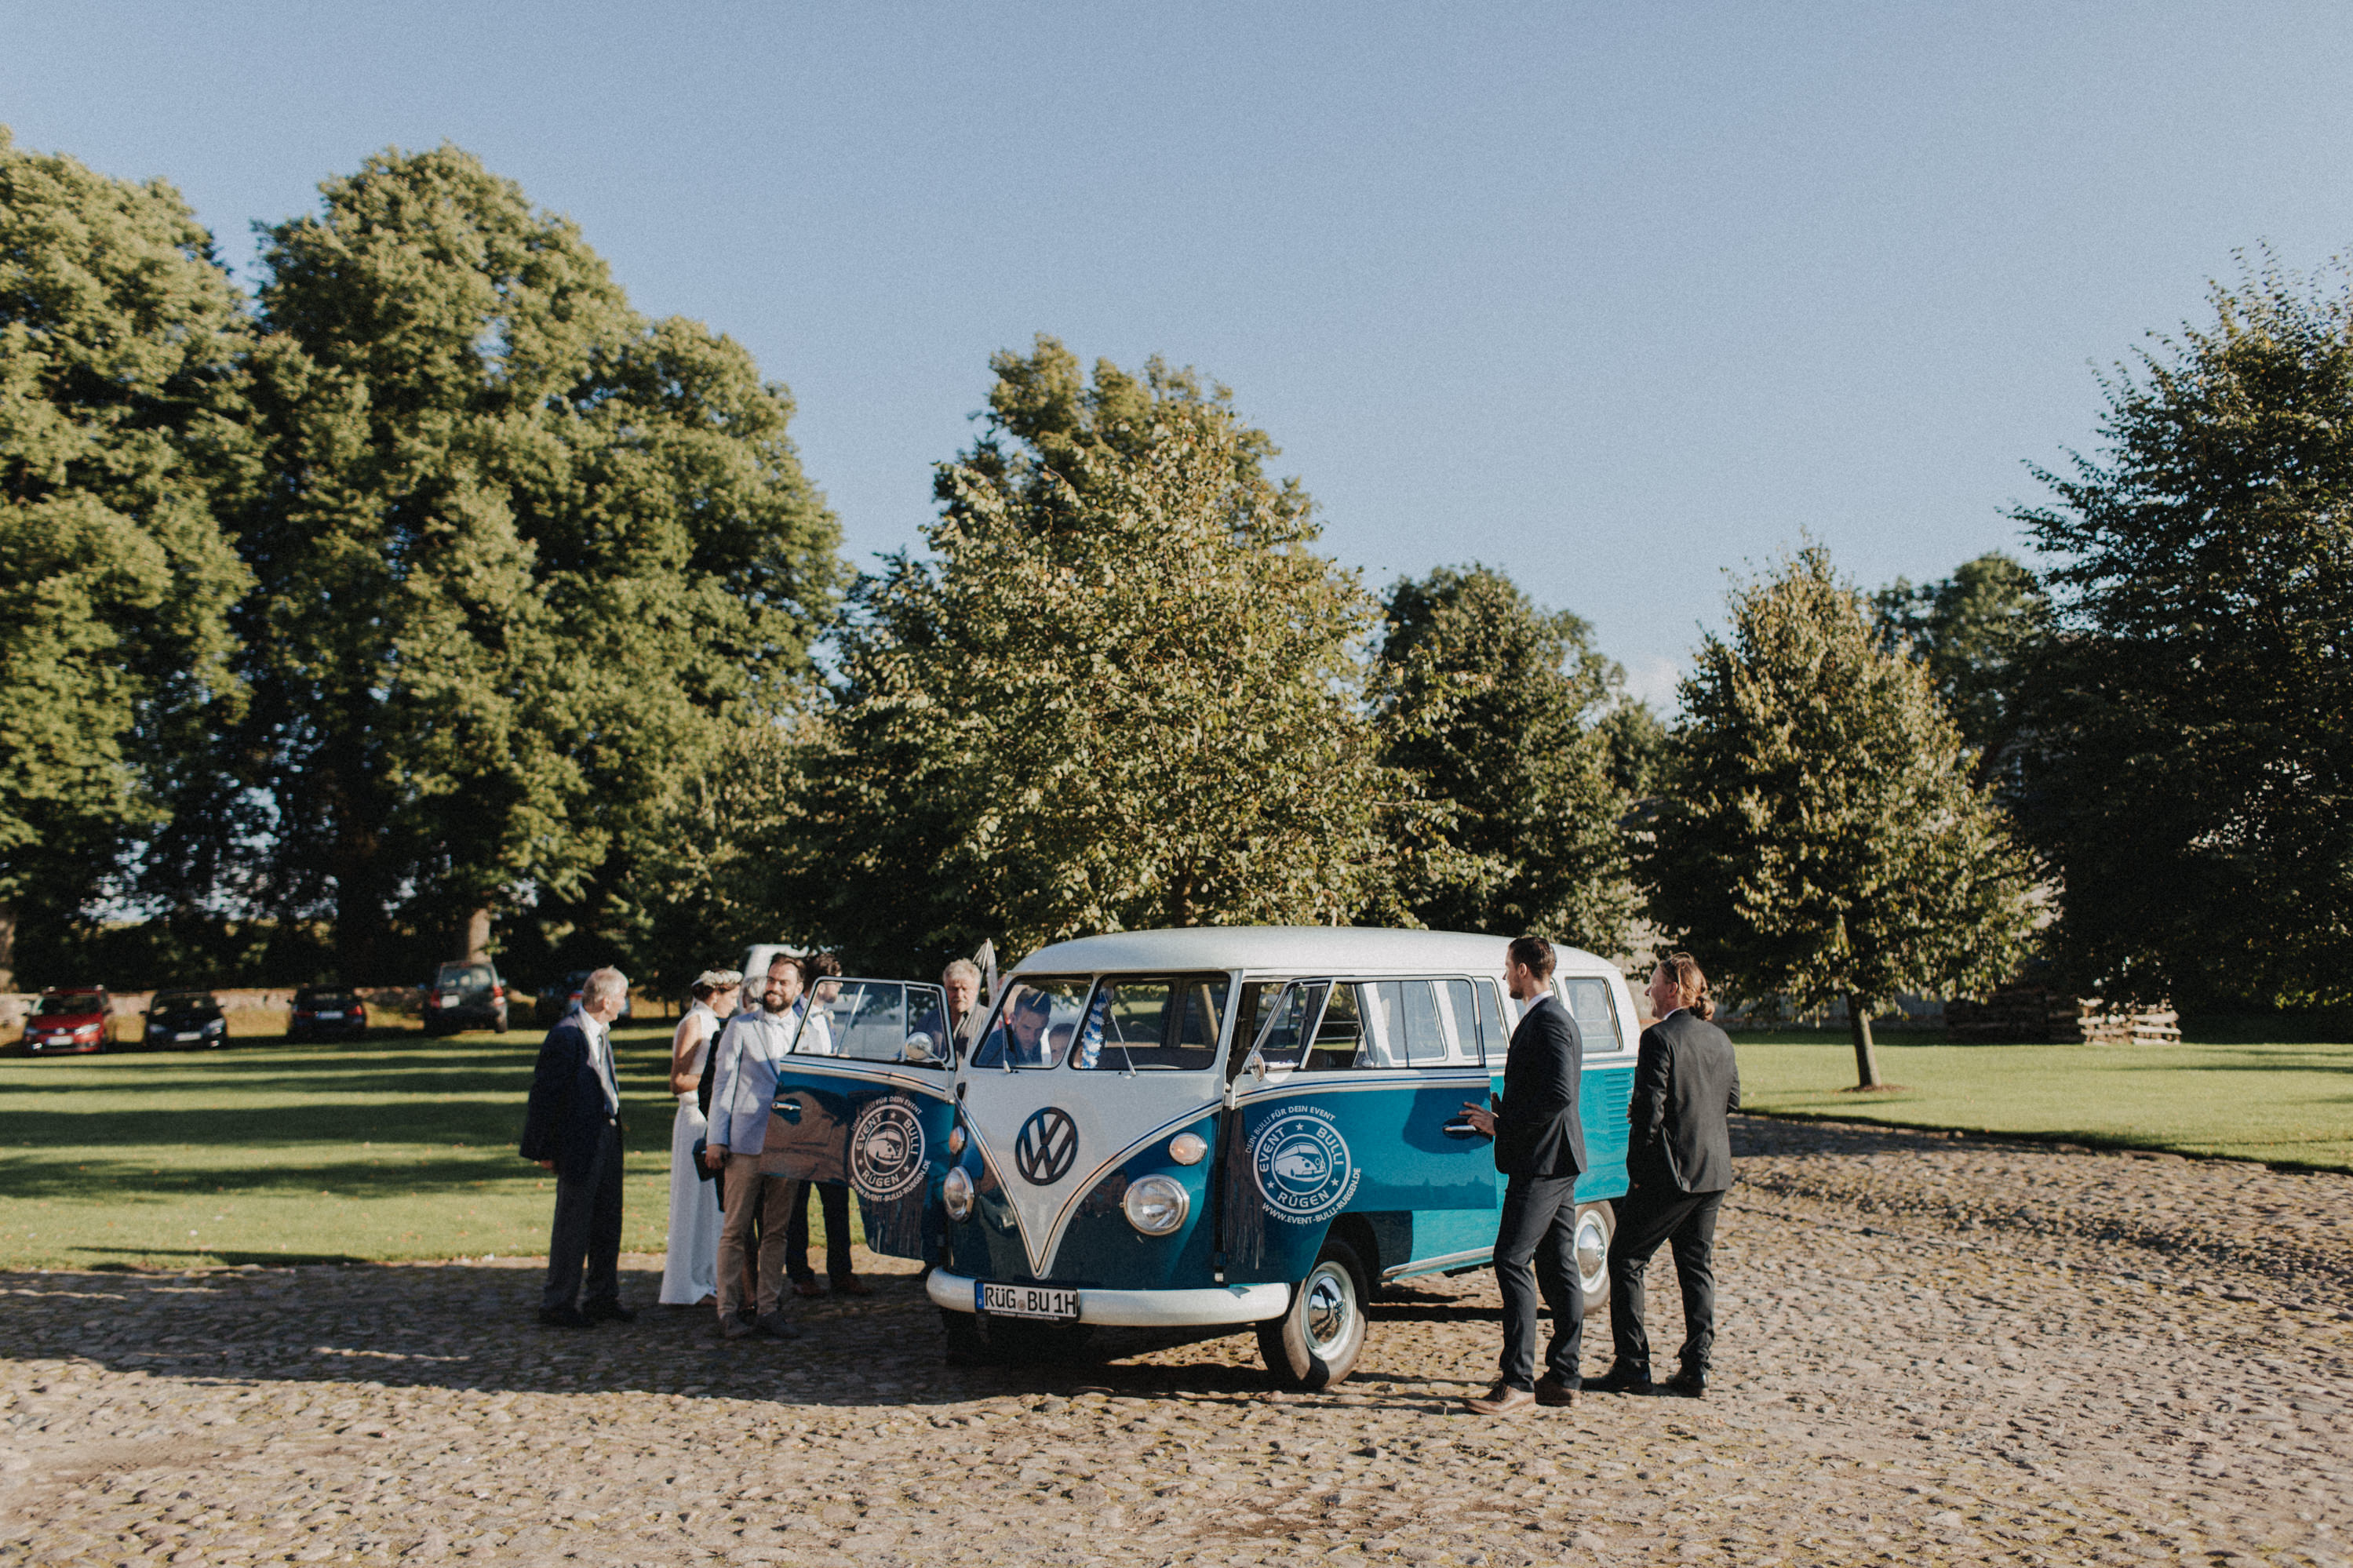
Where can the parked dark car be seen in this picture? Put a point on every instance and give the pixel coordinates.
(327, 1013)
(68, 1018)
(465, 997)
(556, 1000)
(185, 1020)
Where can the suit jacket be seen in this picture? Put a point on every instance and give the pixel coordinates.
(743, 1086)
(1537, 1132)
(1686, 1081)
(567, 1112)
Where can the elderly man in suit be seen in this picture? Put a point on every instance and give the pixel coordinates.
(1540, 1146)
(1679, 1159)
(573, 1127)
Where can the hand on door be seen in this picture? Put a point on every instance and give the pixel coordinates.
(1481, 1117)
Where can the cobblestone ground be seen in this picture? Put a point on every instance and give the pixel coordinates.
(1933, 1351)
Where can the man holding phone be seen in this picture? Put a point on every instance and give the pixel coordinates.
(1540, 1146)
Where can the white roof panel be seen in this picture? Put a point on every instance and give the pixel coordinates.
(1291, 950)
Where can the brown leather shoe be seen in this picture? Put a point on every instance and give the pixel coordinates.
(808, 1288)
(1554, 1392)
(1502, 1400)
(853, 1285)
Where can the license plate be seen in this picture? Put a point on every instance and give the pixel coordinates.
(1026, 1300)
(449, 1001)
(189, 1035)
(324, 1016)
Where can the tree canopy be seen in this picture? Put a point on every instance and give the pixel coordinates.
(2191, 781)
(525, 556)
(1121, 692)
(1491, 703)
(1977, 632)
(1821, 835)
(120, 430)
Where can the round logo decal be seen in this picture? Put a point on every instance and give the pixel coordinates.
(886, 1150)
(1046, 1147)
(1304, 1169)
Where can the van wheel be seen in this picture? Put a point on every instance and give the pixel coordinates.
(1596, 1224)
(1316, 1343)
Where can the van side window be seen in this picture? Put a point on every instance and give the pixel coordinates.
(1340, 1037)
(1402, 1027)
(1473, 1026)
(1274, 1016)
(1590, 1004)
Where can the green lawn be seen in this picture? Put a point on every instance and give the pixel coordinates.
(399, 1147)
(2289, 1104)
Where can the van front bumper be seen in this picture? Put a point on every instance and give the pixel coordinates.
(1144, 1309)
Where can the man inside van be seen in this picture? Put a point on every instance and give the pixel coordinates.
(1540, 1146)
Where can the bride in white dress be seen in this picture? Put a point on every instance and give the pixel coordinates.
(690, 1268)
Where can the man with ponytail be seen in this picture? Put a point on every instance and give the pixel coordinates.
(1679, 1159)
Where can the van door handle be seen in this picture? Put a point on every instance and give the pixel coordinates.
(1460, 1128)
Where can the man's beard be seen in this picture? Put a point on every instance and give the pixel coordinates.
(775, 1002)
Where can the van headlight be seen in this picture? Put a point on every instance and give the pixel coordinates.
(1188, 1147)
(1155, 1204)
(955, 1194)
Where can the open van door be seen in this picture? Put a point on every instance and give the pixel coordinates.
(865, 1097)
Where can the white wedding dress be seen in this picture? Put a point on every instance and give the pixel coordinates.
(691, 1267)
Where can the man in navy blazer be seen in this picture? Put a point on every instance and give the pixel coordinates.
(1540, 1146)
(572, 1128)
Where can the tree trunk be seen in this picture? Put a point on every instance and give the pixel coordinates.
(1866, 1058)
(7, 945)
(474, 938)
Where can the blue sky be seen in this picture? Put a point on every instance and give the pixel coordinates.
(1612, 298)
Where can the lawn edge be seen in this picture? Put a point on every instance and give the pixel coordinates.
(2096, 1141)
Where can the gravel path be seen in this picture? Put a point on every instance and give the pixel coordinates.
(1933, 1351)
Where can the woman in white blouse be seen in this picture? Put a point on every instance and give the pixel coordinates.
(690, 1268)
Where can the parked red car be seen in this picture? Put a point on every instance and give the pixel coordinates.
(68, 1019)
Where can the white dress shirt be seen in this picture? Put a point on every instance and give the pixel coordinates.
(600, 1056)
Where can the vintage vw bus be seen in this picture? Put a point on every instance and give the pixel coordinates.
(1196, 1131)
(863, 1097)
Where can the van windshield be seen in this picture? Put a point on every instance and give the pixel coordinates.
(1036, 1022)
(1145, 1023)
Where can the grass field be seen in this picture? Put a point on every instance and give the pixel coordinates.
(399, 1147)
(2289, 1104)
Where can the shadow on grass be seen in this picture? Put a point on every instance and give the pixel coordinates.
(231, 1260)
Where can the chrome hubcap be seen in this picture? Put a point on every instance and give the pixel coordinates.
(1330, 1305)
(1592, 1252)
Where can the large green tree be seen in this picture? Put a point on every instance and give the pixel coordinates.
(2191, 780)
(1979, 631)
(1494, 703)
(524, 557)
(1820, 838)
(1120, 693)
(121, 338)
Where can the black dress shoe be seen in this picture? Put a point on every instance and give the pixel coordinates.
(1691, 1382)
(1556, 1393)
(565, 1317)
(1623, 1378)
(610, 1312)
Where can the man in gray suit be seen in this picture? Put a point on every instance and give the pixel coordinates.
(1679, 1157)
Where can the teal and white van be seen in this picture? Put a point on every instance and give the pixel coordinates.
(1195, 1131)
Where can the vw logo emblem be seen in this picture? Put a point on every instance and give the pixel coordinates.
(1048, 1144)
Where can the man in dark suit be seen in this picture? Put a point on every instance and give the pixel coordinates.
(574, 1128)
(1678, 1158)
(1540, 1145)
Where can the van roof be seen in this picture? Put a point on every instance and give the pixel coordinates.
(1294, 950)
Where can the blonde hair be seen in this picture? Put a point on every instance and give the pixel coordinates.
(1691, 985)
